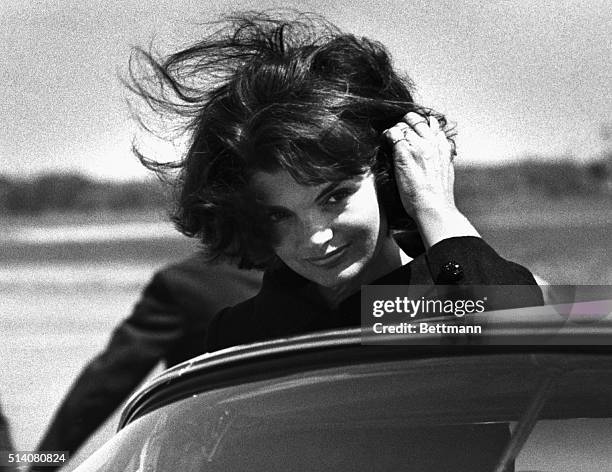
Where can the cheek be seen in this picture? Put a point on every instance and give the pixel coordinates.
(284, 244)
(367, 204)
(363, 221)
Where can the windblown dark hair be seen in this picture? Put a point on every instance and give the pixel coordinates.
(263, 94)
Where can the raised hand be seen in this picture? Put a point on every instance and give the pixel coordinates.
(423, 163)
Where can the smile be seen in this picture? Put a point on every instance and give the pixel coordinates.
(329, 260)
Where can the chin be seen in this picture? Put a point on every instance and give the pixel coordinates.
(341, 277)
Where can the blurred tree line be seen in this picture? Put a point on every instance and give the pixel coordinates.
(76, 193)
(531, 178)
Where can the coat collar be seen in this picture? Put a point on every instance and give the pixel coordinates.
(292, 305)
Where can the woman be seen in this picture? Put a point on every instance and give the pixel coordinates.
(310, 158)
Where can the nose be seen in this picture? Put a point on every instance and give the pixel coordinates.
(322, 236)
(316, 230)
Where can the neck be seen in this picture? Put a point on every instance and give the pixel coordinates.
(388, 258)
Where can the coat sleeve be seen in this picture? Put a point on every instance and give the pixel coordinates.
(134, 348)
(465, 261)
(6, 443)
(169, 323)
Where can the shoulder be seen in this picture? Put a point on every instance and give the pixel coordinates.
(196, 285)
(233, 326)
(198, 270)
(284, 306)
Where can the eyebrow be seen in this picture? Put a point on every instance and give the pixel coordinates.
(322, 194)
(328, 189)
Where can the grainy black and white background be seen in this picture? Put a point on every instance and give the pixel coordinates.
(520, 78)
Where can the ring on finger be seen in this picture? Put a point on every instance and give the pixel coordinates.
(403, 127)
(405, 130)
(395, 141)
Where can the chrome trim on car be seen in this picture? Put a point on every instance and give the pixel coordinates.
(235, 354)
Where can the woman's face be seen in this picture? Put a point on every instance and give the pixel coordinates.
(327, 233)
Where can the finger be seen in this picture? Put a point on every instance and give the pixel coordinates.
(453, 146)
(434, 124)
(396, 135)
(412, 137)
(444, 146)
(419, 124)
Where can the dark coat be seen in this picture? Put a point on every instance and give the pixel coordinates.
(6, 446)
(287, 304)
(5, 437)
(168, 324)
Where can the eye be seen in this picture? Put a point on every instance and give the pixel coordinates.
(276, 216)
(339, 196)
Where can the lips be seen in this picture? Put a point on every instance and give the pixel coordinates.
(329, 260)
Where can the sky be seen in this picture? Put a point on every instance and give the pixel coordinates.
(519, 77)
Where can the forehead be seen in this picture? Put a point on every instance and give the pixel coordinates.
(280, 189)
